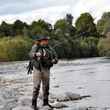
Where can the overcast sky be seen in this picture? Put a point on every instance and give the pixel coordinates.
(50, 10)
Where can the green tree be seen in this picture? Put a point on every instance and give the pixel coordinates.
(103, 25)
(104, 47)
(40, 27)
(16, 48)
(65, 27)
(85, 25)
(6, 29)
(88, 47)
(18, 27)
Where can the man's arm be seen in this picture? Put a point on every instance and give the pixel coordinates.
(55, 56)
(33, 51)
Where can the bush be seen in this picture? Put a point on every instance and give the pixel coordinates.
(104, 47)
(14, 48)
(88, 47)
(77, 48)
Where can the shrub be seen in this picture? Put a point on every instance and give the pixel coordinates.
(104, 47)
(14, 48)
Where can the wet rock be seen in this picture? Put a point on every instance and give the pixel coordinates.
(25, 100)
(92, 108)
(59, 105)
(80, 88)
(56, 86)
(73, 96)
(51, 101)
(68, 96)
(62, 98)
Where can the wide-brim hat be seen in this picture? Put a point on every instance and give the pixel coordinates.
(38, 38)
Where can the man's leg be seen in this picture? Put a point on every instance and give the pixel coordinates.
(36, 87)
(45, 85)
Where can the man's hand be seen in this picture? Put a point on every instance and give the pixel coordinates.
(54, 61)
(38, 54)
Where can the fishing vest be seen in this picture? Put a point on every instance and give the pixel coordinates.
(46, 56)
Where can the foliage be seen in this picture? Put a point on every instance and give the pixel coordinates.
(85, 25)
(103, 25)
(14, 48)
(104, 47)
(88, 47)
(81, 40)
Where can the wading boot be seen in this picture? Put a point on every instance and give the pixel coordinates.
(46, 103)
(34, 104)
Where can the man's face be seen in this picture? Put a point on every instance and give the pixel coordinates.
(44, 42)
(36, 42)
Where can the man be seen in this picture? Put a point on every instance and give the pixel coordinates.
(43, 59)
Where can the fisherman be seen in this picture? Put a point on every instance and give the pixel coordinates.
(43, 57)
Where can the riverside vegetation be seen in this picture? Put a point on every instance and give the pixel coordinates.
(83, 39)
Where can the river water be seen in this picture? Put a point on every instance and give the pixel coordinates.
(83, 76)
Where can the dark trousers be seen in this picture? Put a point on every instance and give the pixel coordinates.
(38, 77)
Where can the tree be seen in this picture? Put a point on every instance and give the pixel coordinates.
(64, 27)
(40, 27)
(18, 27)
(5, 29)
(104, 47)
(85, 25)
(103, 25)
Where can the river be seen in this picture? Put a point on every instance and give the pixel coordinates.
(89, 76)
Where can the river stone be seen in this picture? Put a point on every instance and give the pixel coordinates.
(72, 96)
(25, 100)
(62, 98)
(22, 108)
(68, 96)
(59, 105)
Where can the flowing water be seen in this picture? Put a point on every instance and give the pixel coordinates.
(83, 76)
